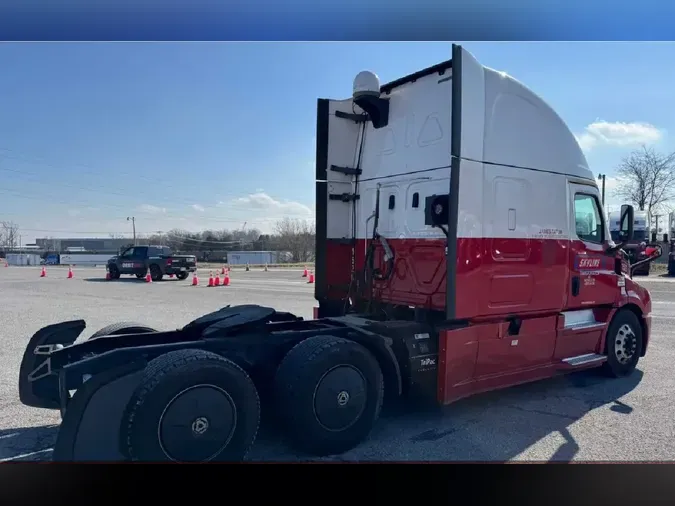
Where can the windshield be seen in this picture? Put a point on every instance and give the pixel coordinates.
(638, 235)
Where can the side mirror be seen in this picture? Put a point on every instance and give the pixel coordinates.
(626, 223)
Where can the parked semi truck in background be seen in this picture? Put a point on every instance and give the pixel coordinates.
(636, 249)
(671, 240)
(442, 271)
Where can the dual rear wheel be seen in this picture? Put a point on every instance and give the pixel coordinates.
(197, 406)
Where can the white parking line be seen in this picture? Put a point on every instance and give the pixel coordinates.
(26, 455)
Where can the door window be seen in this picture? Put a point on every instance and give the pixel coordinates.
(128, 253)
(588, 218)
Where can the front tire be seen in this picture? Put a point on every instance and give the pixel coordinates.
(623, 344)
(191, 406)
(329, 394)
(114, 272)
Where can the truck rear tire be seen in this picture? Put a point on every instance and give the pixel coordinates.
(122, 328)
(182, 275)
(623, 344)
(329, 393)
(191, 406)
(156, 273)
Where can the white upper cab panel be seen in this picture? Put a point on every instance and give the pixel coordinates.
(519, 128)
(508, 133)
(522, 130)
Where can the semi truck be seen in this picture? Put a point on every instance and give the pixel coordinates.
(442, 271)
(636, 249)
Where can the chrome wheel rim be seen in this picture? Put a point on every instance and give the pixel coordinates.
(625, 344)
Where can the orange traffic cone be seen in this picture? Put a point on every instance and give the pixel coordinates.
(148, 278)
(216, 281)
(305, 273)
(210, 278)
(6, 264)
(43, 272)
(226, 279)
(223, 270)
(171, 276)
(311, 278)
(70, 272)
(107, 276)
(195, 279)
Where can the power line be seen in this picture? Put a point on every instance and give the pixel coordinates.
(107, 191)
(100, 189)
(126, 208)
(168, 235)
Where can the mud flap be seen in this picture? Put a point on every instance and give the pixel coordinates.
(43, 390)
(90, 429)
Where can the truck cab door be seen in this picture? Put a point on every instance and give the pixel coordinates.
(140, 257)
(593, 280)
(593, 283)
(125, 261)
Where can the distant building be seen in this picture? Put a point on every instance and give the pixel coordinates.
(98, 244)
(256, 257)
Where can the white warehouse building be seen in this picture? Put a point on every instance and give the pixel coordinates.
(257, 257)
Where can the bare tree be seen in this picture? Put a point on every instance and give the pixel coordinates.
(296, 237)
(9, 235)
(647, 179)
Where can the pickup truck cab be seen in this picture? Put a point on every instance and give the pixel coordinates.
(159, 260)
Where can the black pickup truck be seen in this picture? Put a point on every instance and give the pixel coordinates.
(136, 260)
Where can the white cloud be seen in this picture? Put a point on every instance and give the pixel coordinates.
(74, 212)
(276, 208)
(147, 208)
(605, 133)
(197, 207)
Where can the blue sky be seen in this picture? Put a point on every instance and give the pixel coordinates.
(212, 135)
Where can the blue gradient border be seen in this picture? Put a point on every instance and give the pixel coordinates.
(81, 20)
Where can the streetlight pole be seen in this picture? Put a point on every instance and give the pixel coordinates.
(133, 225)
(601, 177)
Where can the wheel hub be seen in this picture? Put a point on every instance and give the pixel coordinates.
(340, 398)
(625, 344)
(343, 398)
(185, 437)
(200, 426)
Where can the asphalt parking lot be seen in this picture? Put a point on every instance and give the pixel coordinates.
(576, 417)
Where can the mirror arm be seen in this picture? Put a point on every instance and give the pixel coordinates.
(613, 249)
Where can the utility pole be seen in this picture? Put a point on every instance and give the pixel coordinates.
(601, 177)
(133, 225)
